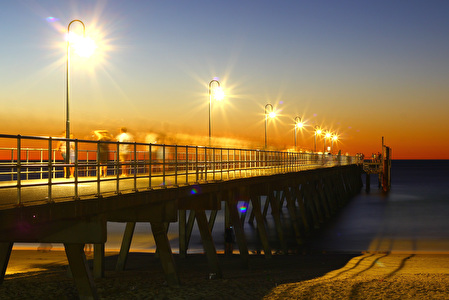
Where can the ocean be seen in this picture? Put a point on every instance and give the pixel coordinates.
(413, 217)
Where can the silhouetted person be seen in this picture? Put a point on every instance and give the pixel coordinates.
(62, 147)
(124, 149)
(103, 149)
(229, 240)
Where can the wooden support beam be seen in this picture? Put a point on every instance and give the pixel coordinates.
(244, 213)
(316, 201)
(293, 215)
(159, 230)
(322, 198)
(80, 271)
(308, 200)
(280, 196)
(251, 215)
(182, 218)
(331, 199)
(265, 208)
(239, 233)
(166, 225)
(212, 218)
(5, 253)
(99, 260)
(255, 200)
(208, 243)
(275, 212)
(299, 195)
(337, 191)
(126, 244)
(189, 228)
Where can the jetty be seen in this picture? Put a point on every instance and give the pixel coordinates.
(187, 184)
(379, 164)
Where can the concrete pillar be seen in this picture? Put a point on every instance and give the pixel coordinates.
(208, 243)
(302, 208)
(293, 216)
(182, 217)
(126, 244)
(98, 260)
(80, 271)
(255, 200)
(275, 212)
(5, 253)
(238, 230)
(165, 254)
(189, 227)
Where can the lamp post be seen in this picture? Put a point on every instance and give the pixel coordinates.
(210, 107)
(269, 112)
(334, 138)
(67, 125)
(298, 124)
(317, 132)
(326, 136)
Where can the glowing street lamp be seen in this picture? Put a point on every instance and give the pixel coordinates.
(317, 132)
(218, 95)
(83, 47)
(269, 112)
(334, 139)
(326, 136)
(298, 124)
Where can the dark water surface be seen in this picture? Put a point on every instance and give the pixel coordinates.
(412, 217)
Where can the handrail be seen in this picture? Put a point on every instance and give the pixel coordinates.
(34, 162)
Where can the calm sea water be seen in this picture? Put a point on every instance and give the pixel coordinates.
(412, 217)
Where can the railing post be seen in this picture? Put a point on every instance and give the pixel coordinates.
(117, 168)
(163, 165)
(176, 165)
(50, 170)
(205, 162)
(27, 163)
(196, 163)
(187, 164)
(98, 166)
(76, 169)
(150, 166)
(41, 173)
(135, 166)
(213, 163)
(19, 186)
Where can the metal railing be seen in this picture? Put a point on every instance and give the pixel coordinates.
(32, 169)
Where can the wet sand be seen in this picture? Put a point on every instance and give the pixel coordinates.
(33, 274)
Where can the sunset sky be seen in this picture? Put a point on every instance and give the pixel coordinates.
(361, 69)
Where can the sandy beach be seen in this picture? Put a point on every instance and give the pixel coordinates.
(38, 275)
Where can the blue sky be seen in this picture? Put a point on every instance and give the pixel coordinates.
(364, 69)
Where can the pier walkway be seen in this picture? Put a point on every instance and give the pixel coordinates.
(164, 182)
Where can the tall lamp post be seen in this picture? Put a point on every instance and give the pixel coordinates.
(269, 112)
(298, 124)
(210, 105)
(334, 138)
(85, 48)
(67, 124)
(317, 132)
(326, 136)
